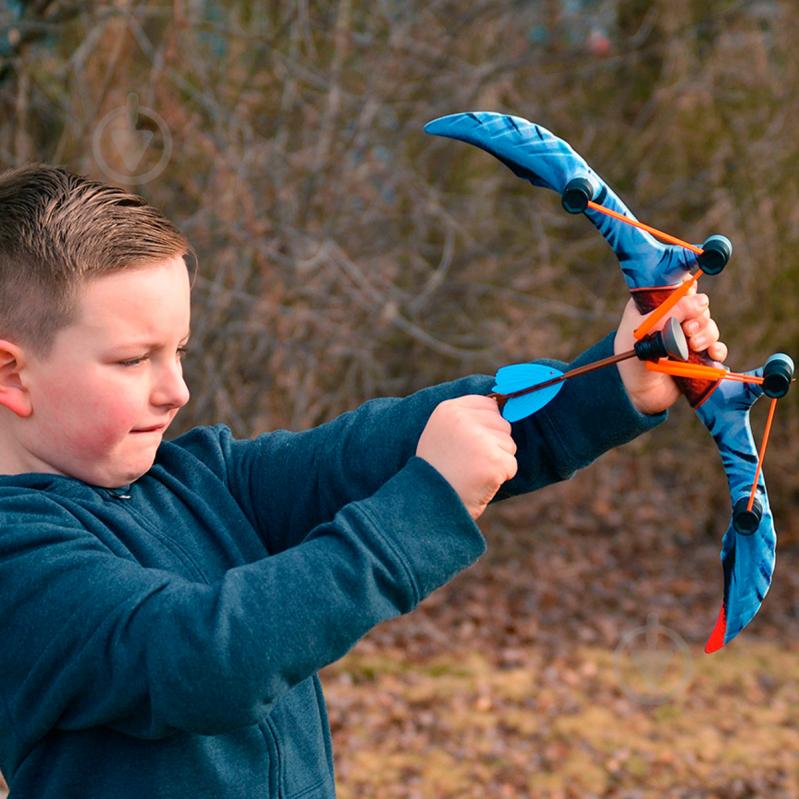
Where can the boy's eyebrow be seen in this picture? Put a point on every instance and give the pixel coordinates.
(150, 345)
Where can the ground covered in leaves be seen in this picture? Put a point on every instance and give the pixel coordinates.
(569, 662)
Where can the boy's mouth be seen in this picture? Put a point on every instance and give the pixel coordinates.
(154, 429)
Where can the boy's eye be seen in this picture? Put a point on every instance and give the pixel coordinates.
(135, 361)
(131, 362)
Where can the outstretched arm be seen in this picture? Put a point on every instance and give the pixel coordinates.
(290, 482)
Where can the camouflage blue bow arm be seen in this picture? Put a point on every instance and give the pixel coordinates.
(535, 154)
(747, 560)
(652, 269)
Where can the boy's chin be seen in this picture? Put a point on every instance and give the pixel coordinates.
(126, 475)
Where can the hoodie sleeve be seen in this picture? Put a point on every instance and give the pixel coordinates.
(92, 638)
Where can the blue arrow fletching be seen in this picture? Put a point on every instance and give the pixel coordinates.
(519, 376)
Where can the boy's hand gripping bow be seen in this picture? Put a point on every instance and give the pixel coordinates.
(657, 275)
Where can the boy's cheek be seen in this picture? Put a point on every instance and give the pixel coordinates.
(91, 437)
(98, 420)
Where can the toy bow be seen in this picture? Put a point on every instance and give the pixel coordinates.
(657, 274)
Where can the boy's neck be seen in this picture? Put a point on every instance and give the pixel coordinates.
(15, 459)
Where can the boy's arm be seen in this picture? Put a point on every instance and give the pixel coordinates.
(289, 482)
(95, 639)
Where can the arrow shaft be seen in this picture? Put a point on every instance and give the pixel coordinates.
(579, 370)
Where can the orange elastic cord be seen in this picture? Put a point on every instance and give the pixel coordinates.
(698, 371)
(666, 306)
(654, 231)
(656, 315)
(762, 453)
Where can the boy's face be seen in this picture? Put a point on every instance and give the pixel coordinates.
(88, 407)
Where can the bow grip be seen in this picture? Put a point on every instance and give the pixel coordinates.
(696, 390)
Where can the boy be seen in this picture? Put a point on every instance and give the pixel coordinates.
(165, 606)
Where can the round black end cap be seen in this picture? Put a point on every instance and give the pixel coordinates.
(717, 252)
(576, 195)
(746, 521)
(667, 343)
(777, 375)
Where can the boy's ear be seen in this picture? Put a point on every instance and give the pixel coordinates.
(13, 394)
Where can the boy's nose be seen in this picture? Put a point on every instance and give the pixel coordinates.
(171, 388)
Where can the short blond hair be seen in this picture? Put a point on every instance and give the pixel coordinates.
(59, 229)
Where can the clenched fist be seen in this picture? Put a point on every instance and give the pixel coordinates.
(469, 443)
(652, 392)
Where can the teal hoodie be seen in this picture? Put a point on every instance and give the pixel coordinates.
(162, 639)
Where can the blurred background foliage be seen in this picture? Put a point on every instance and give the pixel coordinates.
(339, 245)
(344, 254)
